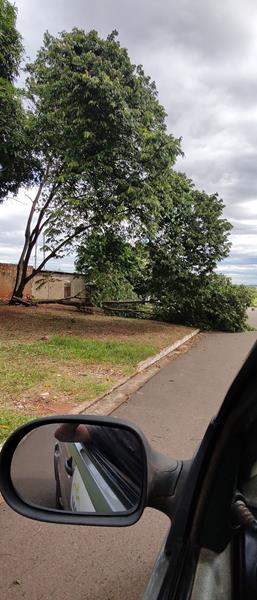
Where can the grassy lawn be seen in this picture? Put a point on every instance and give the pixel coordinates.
(125, 354)
(10, 420)
(50, 361)
(61, 368)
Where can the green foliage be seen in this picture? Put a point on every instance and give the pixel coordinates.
(253, 291)
(15, 160)
(111, 285)
(97, 125)
(210, 302)
(10, 42)
(192, 236)
(114, 266)
(15, 157)
(99, 140)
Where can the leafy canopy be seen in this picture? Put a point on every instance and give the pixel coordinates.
(97, 123)
(10, 42)
(193, 236)
(190, 238)
(15, 166)
(112, 265)
(100, 148)
(212, 302)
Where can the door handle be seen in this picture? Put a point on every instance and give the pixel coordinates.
(68, 466)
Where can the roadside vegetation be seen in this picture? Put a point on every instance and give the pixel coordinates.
(212, 304)
(52, 361)
(176, 273)
(253, 291)
(10, 420)
(112, 353)
(63, 371)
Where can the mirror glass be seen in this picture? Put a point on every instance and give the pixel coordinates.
(79, 467)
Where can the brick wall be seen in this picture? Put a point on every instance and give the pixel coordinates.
(7, 280)
(44, 286)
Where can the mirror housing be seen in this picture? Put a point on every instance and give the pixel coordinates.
(158, 476)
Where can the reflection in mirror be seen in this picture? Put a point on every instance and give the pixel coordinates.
(79, 468)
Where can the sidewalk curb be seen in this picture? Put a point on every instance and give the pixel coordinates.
(153, 359)
(120, 393)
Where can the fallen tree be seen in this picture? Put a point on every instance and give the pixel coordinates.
(75, 301)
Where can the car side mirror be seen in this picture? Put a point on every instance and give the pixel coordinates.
(83, 470)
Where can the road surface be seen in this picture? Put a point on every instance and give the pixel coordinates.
(41, 561)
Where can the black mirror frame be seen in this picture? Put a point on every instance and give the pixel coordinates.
(54, 516)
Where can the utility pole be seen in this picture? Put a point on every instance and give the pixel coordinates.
(43, 247)
(35, 261)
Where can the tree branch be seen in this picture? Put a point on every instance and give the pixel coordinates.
(19, 201)
(50, 218)
(27, 196)
(27, 243)
(37, 229)
(56, 250)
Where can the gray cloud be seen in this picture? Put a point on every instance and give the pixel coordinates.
(197, 26)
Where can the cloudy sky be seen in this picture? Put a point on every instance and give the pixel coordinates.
(202, 55)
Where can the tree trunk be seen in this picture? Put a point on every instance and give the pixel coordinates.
(31, 237)
(30, 240)
(20, 283)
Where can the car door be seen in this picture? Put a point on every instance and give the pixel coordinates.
(211, 551)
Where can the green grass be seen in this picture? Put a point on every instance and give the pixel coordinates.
(17, 374)
(57, 364)
(10, 420)
(113, 353)
(83, 388)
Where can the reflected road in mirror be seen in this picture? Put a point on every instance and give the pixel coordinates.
(79, 468)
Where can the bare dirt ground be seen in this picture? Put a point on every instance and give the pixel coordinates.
(23, 324)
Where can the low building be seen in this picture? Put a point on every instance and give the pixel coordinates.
(47, 285)
(52, 285)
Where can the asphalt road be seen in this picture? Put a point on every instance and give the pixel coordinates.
(33, 467)
(43, 561)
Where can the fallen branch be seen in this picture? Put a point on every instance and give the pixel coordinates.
(125, 302)
(22, 301)
(63, 301)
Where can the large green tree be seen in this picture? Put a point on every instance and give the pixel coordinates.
(100, 145)
(15, 165)
(189, 239)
